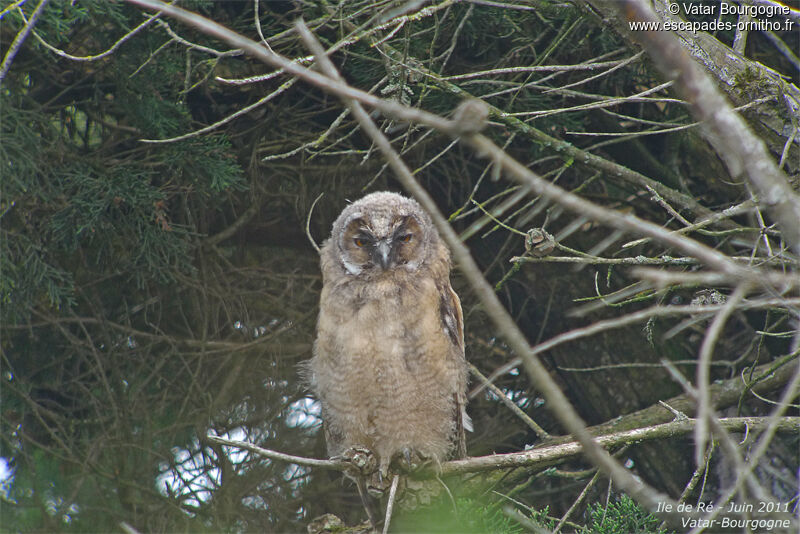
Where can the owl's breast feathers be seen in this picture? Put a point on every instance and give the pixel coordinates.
(388, 361)
(400, 316)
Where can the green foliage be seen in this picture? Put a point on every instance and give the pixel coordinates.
(622, 517)
(61, 21)
(27, 277)
(62, 194)
(92, 220)
(469, 516)
(20, 151)
(542, 517)
(29, 272)
(207, 163)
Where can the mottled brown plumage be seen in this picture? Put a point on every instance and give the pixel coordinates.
(388, 363)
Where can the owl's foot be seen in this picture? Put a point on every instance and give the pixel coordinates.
(409, 460)
(362, 461)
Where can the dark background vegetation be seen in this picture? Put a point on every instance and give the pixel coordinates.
(152, 293)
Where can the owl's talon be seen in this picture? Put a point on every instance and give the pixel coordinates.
(362, 461)
(411, 460)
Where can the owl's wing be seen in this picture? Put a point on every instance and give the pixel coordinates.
(452, 317)
(453, 321)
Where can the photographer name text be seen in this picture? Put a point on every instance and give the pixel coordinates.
(725, 522)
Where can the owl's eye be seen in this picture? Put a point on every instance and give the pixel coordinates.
(359, 242)
(405, 238)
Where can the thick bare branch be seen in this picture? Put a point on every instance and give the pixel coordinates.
(550, 455)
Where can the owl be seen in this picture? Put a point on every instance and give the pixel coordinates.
(388, 364)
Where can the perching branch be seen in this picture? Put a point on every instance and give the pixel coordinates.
(336, 465)
(538, 457)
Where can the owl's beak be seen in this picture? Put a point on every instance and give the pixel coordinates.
(382, 254)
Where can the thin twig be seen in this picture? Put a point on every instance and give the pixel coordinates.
(547, 455)
(105, 53)
(387, 518)
(238, 113)
(308, 223)
(577, 501)
(237, 225)
(194, 46)
(638, 260)
(704, 408)
(625, 320)
(618, 66)
(20, 38)
(606, 103)
(275, 455)
(724, 214)
(537, 68)
(661, 278)
(509, 403)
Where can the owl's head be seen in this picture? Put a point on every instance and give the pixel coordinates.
(381, 232)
